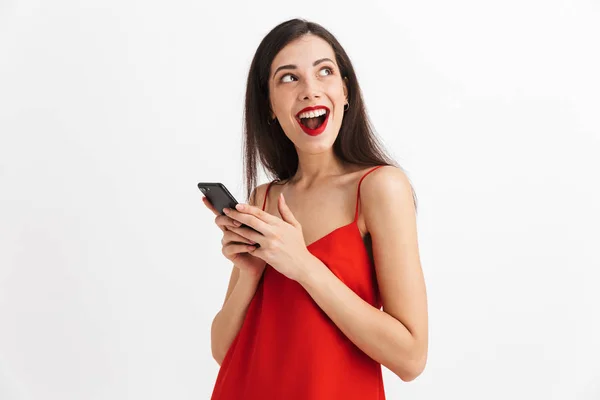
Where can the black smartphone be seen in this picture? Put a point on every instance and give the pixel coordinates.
(220, 198)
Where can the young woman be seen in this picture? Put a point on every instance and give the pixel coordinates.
(330, 287)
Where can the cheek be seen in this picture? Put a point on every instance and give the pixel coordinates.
(281, 101)
(336, 94)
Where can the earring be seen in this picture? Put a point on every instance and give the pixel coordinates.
(346, 106)
(270, 121)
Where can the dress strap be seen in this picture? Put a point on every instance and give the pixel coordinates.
(267, 194)
(358, 191)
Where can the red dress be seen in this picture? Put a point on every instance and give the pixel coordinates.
(289, 349)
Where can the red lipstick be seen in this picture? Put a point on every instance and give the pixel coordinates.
(321, 128)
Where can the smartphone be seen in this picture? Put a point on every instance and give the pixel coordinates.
(220, 198)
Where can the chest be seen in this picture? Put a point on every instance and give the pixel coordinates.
(320, 211)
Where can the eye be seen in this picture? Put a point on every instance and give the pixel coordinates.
(285, 76)
(327, 69)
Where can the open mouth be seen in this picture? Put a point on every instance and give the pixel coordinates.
(313, 120)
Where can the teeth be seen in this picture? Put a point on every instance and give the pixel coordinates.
(313, 114)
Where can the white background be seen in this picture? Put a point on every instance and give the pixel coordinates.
(111, 111)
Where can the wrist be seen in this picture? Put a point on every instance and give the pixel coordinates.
(310, 270)
(251, 277)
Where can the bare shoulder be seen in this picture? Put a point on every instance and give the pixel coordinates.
(258, 195)
(384, 180)
(386, 188)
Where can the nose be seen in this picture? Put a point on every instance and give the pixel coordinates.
(310, 89)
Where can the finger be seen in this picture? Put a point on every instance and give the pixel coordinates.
(258, 213)
(248, 233)
(231, 249)
(231, 236)
(254, 217)
(224, 221)
(220, 224)
(286, 213)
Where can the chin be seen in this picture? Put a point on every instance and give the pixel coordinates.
(316, 146)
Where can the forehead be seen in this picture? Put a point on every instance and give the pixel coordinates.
(303, 52)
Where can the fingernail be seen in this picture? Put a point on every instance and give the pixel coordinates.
(226, 210)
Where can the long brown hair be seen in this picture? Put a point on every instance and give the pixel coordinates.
(356, 142)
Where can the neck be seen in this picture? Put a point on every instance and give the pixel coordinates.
(314, 169)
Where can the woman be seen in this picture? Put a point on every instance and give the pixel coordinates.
(302, 315)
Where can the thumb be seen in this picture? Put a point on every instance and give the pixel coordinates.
(285, 212)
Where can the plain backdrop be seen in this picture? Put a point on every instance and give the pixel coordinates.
(111, 111)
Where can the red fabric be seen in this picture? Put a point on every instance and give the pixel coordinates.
(288, 348)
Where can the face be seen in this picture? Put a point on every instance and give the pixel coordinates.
(308, 93)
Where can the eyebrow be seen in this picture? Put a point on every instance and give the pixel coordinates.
(292, 66)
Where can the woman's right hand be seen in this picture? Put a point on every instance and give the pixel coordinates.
(237, 248)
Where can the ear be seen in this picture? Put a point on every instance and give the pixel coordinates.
(271, 113)
(345, 87)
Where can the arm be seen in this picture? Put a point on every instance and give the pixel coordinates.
(397, 337)
(240, 291)
(228, 322)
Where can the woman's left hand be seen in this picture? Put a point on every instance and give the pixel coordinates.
(281, 240)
